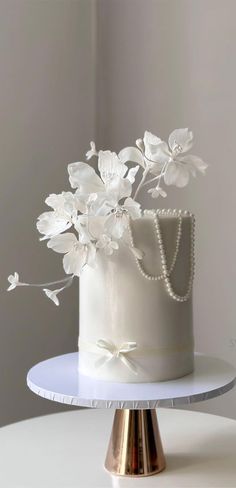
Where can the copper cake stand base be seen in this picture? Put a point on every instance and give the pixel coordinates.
(135, 447)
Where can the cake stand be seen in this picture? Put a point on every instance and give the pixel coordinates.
(135, 447)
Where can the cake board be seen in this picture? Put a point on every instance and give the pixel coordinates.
(135, 447)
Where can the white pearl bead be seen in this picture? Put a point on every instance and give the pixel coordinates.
(165, 273)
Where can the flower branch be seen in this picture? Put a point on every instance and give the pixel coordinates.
(95, 215)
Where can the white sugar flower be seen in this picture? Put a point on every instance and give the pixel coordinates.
(137, 252)
(14, 281)
(117, 222)
(156, 192)
(66, 206)
(178, 166)
(108, 190)
(52, 294)
(92, 151)
(51, 225)
(84, 177)
(110, 166)
(133, 208)
(151, 146)
(77, 254)
(133, 154)
(107, 245)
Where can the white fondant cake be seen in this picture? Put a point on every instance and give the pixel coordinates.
(133, 327)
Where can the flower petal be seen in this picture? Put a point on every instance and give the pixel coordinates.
(119, 188)
(84, 177)
(176, 174)
(132, 173)
(50, 224)
(75, 260)
(137, 252)
(133, 208)
(150, 139)
(110, 166)
(159, 154)
(82, 227)
(182, 178)
(132, 154)
(194, 162)
(171, 174)
(114, 245)
(156, 192)
(52, 294)
(62, 243)
(92, 151)
(116, 225)
(181, 137)
(55, 201)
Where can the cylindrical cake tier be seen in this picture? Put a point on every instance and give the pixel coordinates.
(131, 328)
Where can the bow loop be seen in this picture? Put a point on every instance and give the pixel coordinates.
(120, 352)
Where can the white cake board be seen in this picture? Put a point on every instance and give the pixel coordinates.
(57, 379)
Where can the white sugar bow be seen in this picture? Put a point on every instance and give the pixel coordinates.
(121, 352)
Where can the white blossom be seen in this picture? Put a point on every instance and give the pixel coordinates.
(52, 294)
(110, 166)
(157, 191)
(137, 252)
(178, 166)
(92, 151)
(117, 222)
(101, 206)
(66, 206)
(14, 281)
(108, 190)
(131, 154)
(84, 177)
(77, 254)
(107, 244)
(151, 144)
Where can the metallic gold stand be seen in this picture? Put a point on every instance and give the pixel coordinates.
(135, 447)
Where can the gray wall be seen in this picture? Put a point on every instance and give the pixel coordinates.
(47, 105)
(169, 64)
(67, 76)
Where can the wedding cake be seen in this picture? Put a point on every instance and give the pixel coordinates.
(136, 266)
(135, 325)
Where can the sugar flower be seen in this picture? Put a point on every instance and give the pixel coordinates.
(14, 281)
(157, 191)
(52, 294)
(77, 254)
(107, 244)
(103, 203)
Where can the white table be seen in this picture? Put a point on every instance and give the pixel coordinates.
(66, 450)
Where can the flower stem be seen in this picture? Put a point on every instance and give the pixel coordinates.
(64, 280)
(152, 179)
(68, 284)
(141, 182)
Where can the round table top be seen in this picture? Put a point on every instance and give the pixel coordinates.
(58, 379)
(67, 450)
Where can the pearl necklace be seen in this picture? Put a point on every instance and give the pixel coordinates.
(165, 274)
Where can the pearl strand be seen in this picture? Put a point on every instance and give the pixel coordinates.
(165, 275)
(161, 276)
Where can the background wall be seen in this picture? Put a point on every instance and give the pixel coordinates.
(169, 64)
(71, 70)
(47, 117)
